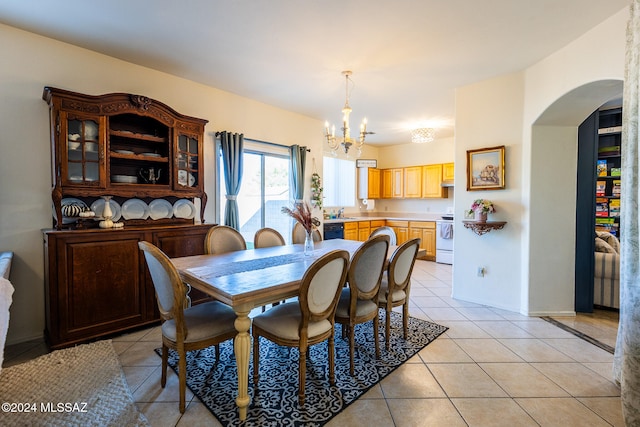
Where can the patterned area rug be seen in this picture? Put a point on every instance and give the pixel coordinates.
(275, 400)
(77, 386)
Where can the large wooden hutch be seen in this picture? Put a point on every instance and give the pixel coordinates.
(130, 148)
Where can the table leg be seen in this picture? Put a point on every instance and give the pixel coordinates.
(242, 349)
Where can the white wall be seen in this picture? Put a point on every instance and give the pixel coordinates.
(32, 62)
(531, 262)
(489, 114)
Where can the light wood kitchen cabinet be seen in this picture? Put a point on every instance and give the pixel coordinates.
(413, 182)
(369, 185)
(351, 231)
(448, 172)
(377, 223)
(432, 182)
(426, 231)
(364, 228)
(392, 183)
(401, 228)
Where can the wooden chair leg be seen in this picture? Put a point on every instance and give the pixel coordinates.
(256, 359)
(332, 361)
(182, 377)
(351, 348)
(165, 357)
(376, 337)
(302, 374)
(405, 318)
(387, 328)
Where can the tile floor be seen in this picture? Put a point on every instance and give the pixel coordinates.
(491, 368)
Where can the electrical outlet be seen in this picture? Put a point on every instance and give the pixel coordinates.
(481, 271)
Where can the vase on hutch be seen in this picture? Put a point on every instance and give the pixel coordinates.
(480, 216)
(308, 243)
(107, 213)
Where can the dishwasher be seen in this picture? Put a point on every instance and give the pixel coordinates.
(334, 230)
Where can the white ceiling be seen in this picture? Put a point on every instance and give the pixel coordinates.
(407, 56)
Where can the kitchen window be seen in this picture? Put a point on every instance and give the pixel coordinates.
(338, 182)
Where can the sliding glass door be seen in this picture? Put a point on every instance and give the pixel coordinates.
(263, 193)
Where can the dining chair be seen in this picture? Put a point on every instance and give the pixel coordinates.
(299, 234)
(388, 231)
(221, 239)
(395, 287)
(359, 302)
(267, 237)
(308, 321)
(184, 328)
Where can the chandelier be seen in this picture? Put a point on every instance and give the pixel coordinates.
(346, 142)
(422, 135)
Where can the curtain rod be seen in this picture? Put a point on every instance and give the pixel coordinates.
(266, 142)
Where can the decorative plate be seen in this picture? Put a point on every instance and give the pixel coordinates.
(151, 154)
(124, 151)
(98, 206)
(135, 209)
(160, 208)
(184, 208)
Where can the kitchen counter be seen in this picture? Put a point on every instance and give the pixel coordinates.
(391, 216)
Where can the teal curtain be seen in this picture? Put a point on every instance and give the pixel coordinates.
(231, 144)
(298, 159)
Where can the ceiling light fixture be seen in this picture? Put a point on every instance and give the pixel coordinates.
(346, 141)
(422, 135)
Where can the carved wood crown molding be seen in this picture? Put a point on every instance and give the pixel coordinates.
(83, 107)
(140, 102)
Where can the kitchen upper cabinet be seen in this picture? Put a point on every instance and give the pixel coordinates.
(447, 172)
(413, 182)
(432, 182)
(392, 183)
(369, 185)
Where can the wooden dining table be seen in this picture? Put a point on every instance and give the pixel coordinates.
(253, 278)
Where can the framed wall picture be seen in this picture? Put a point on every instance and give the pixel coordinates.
(485, 169)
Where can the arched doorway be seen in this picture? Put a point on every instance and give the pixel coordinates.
(559, 124)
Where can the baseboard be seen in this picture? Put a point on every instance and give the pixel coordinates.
(551, 313)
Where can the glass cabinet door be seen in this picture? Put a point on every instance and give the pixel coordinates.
(187, 161)
(82, 151)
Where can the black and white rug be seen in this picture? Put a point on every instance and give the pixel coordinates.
(275, 399)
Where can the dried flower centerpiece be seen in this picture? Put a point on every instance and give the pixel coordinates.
(301, 212)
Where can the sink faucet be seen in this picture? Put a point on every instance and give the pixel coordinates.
(341, 213)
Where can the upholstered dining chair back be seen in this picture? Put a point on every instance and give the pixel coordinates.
(299, 234)
(184, 328)
(359, 302)
(267, 237)
(394, 290)
(387, 231)
(222, 239)
(367, 267)
(401, 265)
(321, 286)
(170, 290)
(308, 321)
